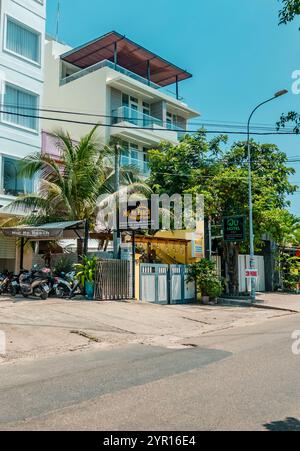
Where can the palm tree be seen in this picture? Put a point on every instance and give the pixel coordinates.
(68, 189)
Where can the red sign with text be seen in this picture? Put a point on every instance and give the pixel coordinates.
(251, 273)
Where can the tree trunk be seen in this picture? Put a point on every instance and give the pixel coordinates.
(231, 255)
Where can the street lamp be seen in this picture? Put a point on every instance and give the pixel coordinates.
(251, 233)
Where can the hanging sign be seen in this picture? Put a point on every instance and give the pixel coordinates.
(234, 228)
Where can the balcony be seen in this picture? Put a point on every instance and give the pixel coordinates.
(144, 123)
(106, 63)
(141, 165)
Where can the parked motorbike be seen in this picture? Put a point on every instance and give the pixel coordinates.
(33, 283)
(5, 281)
(66, 286)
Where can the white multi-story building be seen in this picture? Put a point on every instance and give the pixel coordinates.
(22, 36)
(122, 86)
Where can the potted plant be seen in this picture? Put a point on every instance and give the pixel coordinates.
(86, 272)
(208, 284)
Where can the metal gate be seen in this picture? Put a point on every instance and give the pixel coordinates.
(166, 284)
(113, 280)
(244, 263)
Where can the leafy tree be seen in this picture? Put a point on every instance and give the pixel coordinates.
(200, 166)
(68, 188)
(291, 9)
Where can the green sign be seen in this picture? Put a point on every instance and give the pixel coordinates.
(234, 228)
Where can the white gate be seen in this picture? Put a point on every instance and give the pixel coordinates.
(166, 284)
(245, 284)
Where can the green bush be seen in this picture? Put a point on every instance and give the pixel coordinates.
(63, 264)
(86, 271)
(207, 281)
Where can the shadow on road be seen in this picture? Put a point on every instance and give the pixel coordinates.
(289, 424)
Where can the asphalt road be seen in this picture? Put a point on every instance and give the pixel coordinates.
(240, 379)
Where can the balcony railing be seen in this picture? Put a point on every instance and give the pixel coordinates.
(141, 165)
(122, 70)
(135, 117)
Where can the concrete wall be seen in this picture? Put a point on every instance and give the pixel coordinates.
(15, 141)
(85, 95)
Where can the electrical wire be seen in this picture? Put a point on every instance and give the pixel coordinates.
(200, 124)
(92, 124)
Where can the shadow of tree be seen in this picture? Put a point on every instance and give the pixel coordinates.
(289, 424)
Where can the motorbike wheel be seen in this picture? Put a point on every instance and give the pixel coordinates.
(44, 296)
(40, 293)
(13, 292)
(61, 292)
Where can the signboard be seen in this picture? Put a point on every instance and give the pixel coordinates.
(251, 273)
(136, 217)
(234, 228)
(197, 249)
(32, 233)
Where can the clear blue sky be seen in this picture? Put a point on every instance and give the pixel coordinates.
(235, 50)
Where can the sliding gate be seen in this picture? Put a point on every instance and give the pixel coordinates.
(166, 284)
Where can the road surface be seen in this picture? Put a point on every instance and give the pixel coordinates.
(241, 379)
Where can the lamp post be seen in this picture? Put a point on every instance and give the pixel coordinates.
(251, 233)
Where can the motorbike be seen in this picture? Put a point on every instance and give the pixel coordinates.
(33, 283)
(66, 285)
(5, 281)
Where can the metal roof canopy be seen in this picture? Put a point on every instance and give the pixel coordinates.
(126, 53)
(46, 232)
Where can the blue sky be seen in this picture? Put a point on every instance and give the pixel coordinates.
(235, 50)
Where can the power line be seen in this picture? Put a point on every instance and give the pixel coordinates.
(137, 119)
(93, 124)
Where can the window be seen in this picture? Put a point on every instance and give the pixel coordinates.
(22, 41)
(13, 184)
(20, 102)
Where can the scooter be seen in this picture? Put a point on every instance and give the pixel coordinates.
(35, 283)
(66, 286)
(5, 280)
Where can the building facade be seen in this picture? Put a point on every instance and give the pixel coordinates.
(120, 85)
(22, 36)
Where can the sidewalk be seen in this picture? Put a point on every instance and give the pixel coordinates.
(282, 301)
(37, 329)
(275, 301)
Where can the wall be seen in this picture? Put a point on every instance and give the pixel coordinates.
(15, 141)
(85, 95)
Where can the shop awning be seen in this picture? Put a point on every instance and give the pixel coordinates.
(50, 231)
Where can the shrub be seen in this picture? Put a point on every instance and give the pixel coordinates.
(207, 281)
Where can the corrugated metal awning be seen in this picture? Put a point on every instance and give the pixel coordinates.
(130, 56)
(50, 231)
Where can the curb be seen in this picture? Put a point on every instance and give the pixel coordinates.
(241, 303)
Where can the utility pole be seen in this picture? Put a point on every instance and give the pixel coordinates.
(57, 20)
(251, 231)
(116, 233)
(209, 240)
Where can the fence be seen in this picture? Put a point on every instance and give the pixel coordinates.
(113, 280)
(166, 284)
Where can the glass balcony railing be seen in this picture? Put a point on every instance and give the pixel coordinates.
(135, 117)
(141, 165)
